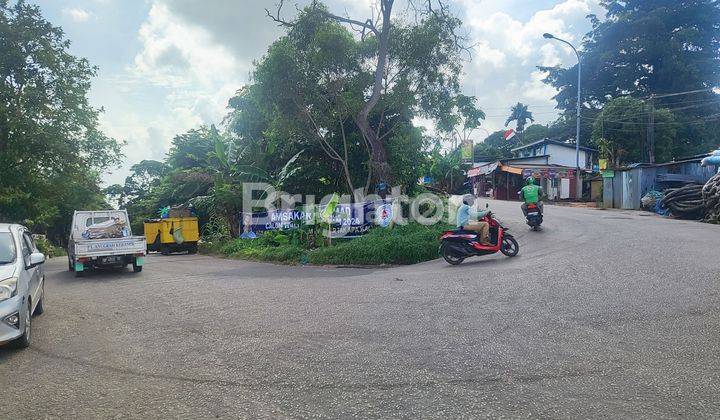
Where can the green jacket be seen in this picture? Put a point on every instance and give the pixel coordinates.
(531, 194)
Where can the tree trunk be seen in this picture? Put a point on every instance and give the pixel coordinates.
(380, 167)
(378, 157)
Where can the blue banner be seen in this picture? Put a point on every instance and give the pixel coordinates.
(347, 221)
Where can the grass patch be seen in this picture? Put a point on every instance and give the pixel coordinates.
(408, 244)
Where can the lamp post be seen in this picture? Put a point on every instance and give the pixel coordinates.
(578, 182)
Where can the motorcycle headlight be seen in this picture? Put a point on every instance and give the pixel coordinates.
(8, 288)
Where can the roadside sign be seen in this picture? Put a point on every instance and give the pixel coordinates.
(466, 149)
(384, 215)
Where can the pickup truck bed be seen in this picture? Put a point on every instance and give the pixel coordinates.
(84, 253)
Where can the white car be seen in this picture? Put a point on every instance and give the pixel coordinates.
(22, 284)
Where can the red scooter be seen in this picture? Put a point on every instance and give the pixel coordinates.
(456, 245)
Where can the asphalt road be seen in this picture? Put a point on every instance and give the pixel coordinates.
(603, 314)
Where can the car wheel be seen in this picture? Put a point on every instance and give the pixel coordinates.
(24, 340)
(39, 308)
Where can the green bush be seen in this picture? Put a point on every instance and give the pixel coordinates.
(47, 248)
(408, 244)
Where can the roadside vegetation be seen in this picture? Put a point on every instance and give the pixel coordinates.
(52, 152)
(409, 244)
(47, 248)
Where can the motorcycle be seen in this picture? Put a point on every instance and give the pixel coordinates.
(457, 245)
(534, 217)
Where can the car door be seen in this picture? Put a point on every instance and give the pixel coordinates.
(34, 273)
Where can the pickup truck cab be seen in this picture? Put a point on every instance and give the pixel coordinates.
(104, 239)
(22, 284)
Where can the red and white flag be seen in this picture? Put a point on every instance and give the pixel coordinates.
(509, 134)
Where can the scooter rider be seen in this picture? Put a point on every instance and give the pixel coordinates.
(468, 219)
(530, 194)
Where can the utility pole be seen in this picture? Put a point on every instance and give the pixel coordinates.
(651, 129)
(578, 178)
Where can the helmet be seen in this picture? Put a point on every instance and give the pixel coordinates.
(468, 199)
(530, 180)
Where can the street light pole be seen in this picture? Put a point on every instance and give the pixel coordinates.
(578, 182)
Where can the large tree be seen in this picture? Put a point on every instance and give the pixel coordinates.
(388, 70)
(649, 47)
(51, 150)
(620, 132)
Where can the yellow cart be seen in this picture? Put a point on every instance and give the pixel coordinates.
(173, 234)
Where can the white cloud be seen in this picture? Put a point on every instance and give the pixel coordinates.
(179, 55)
(77, 14)
(192, 58)
(508, 50)
(184, 75)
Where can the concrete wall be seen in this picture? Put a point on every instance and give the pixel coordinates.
(561, 155)
(535, 160)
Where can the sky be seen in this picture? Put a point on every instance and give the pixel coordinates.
(167, 66)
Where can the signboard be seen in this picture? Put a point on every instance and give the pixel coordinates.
(608, 174)
(466, 149)
(347, 220)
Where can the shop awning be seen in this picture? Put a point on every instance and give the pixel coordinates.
(482, 169)
(511, 169)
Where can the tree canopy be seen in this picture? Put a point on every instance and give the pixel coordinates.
(51, 150)
(323, 84)
(649, 47)
(620, 133)
(521, 115)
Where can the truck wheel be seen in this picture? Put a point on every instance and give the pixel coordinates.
(137, 268)
(71, 265)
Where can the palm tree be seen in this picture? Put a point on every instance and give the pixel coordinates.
(520, 114)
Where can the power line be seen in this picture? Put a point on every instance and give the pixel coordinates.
(626, 117)
(643, 123)
(666, 95)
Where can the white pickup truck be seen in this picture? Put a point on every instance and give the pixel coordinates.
(104, 239)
